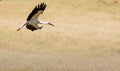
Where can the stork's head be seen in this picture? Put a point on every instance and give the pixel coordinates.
(50, 24)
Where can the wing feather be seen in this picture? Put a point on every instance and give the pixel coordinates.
(37, 11)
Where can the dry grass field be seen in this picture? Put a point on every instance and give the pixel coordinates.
(86, 36)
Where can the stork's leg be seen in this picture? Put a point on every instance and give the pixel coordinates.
(24, 24)
(40, 27)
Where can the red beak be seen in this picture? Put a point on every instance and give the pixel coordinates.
(51, 24)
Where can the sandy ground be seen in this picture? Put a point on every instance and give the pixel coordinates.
(82, 40)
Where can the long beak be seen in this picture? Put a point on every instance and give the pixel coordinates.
(18, 29)
(51, 24)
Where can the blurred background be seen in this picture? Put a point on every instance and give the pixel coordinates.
(86, 36)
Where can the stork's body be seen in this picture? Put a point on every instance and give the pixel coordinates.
(32, 20)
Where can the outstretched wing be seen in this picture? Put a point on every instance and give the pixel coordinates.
(37, 11)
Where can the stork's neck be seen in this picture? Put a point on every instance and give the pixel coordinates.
(41, 22)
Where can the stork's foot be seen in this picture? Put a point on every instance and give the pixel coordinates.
(40, 27)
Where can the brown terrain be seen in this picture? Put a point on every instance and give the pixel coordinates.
(86, 36)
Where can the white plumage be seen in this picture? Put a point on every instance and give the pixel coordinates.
(32, 20)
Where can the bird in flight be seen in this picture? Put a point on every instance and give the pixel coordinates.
(32, 20)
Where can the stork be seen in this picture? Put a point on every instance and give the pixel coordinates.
(32, 20)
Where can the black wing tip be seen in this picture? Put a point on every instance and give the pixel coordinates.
(30, 27)
(39, 7)
(42, 6)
